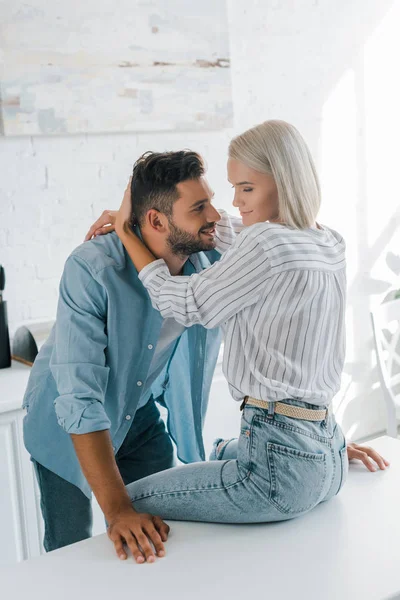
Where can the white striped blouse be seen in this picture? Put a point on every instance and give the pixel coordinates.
(279, 294)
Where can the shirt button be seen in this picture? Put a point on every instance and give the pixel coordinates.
(128, 417)
(139, 383)
(150, 346)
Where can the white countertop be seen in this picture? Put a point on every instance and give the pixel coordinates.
(13, 382)
(348, 548)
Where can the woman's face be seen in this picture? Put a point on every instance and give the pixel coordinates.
(256, 194)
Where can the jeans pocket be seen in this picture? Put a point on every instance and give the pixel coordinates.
(297, 478)
(344, 466)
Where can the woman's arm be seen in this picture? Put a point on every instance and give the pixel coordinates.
(226, 230)
(210, 297)
(139, 253)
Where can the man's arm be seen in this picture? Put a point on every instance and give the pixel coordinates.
(79, 367)
(96, 457)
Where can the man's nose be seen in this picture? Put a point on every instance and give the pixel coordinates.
(213, 216)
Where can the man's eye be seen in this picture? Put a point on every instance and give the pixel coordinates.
(200, 208)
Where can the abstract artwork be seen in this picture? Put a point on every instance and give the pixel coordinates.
(113, 66)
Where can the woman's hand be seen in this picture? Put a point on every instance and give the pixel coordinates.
(365, 453)
(106, 222)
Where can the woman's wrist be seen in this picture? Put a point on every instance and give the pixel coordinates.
(122, 230)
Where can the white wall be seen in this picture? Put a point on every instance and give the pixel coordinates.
(51, 190)
(329, 68)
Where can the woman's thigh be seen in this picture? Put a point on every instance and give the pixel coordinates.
(218, 491)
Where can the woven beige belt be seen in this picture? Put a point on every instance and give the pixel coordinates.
(288, 410)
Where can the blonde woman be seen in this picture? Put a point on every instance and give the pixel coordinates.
(278, 292)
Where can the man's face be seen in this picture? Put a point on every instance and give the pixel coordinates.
(192, 225)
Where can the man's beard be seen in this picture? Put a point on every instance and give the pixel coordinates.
(182, 243)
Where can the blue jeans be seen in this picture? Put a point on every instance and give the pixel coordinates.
(279, 468)
(67, 512)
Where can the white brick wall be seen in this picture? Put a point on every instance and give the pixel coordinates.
(51, 190)
(331, 69)
(328, 67)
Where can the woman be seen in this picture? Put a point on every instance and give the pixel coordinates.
(279, 294)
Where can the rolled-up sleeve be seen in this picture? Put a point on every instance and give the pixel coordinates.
(216, 294)
(78, 361)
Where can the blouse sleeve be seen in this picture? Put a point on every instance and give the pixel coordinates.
(226, 230)
(214, 295)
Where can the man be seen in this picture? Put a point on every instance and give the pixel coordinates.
(92, 422)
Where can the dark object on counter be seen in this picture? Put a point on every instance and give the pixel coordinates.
(5, 354)
(28, 340)
(24, 346)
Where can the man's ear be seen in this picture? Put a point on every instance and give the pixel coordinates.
(157, 220)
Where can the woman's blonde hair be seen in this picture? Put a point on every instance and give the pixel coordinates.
(276, 148)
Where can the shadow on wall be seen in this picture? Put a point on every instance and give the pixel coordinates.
(331, 69)
(361, 377)
(358, 148)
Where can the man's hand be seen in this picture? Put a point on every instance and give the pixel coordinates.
(137, 530)
(365, 453)
(125, 525)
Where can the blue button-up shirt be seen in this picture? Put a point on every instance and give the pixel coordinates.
(88, 376)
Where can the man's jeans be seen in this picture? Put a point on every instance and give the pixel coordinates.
(67, 512)
(279, 468)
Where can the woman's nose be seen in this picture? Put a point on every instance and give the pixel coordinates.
(236, 202)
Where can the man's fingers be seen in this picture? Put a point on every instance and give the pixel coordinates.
(118, 543)
(147, 550)
(156, 540)
(119, 549)
(132, 544)
(162, 528)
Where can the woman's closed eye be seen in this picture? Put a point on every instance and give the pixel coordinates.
(247, 189)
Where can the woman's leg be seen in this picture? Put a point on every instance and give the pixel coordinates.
(284, 467)
(217, 491)
(223, 490)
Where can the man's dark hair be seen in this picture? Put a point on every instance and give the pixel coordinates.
(155, 177)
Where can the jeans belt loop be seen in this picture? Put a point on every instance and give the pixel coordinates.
(271, 410)
(243, 403)
(328, 413)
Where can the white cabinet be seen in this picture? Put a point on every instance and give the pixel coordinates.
(20, 521)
